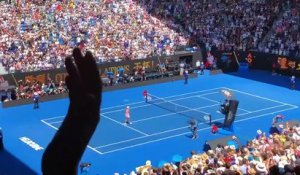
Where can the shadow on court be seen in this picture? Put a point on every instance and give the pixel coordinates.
(10, 165)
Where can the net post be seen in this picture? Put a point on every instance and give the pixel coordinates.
(209, 119)
(146, 97)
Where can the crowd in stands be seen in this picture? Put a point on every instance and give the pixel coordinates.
(276, 154)
(285, 37)
(226, 25)
(27, 89)
(37, 35)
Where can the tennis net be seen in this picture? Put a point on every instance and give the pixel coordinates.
(193, 114)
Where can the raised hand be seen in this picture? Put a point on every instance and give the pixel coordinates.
(85, 91)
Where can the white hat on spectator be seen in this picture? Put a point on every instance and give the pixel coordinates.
(283, 161)
(127, 107)
(211, 171)
(261, 167)
(234, 167)
(148, 162)
(196, 157)
(174, 166)
(210, 151)
(280, 126)
(259, 132)
(220, 163)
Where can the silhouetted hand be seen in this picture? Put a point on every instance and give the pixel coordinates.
(85, 91)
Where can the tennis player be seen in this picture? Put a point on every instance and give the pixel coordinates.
(194, 128)
(195, 132)
(127, 116)
(146, 96)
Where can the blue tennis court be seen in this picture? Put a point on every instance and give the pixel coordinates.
(152, 123)
(156, 133)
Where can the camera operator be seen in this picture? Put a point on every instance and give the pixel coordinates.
(84, 168)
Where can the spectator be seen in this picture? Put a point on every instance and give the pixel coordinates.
(38, 37)
(1, 140)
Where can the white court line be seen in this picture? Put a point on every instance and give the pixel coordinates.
(148, 142)
(205, 98)
(219, 103)
(200, 95)
(263, 109)
(128, 140)
(245, 110)
(237, 121)
(94, 149)
(248, 112)
(244, 113)
(177, 129)
(190, 109)
(123, 141)
(49, 125)
(257, 96)
(150, 118)
(195, 92)
(156, 140)
(59, 121)
(99, 152)
(125, 125)
(163, 97)
(293, 107)
(143, 102)
(158, 133)
(61, 116)
(170, 113)
(249, 118)
(140, 106)
(149, 104)
(159, 116)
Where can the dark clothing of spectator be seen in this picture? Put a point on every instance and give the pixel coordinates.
(186, 77)
(1, 140)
